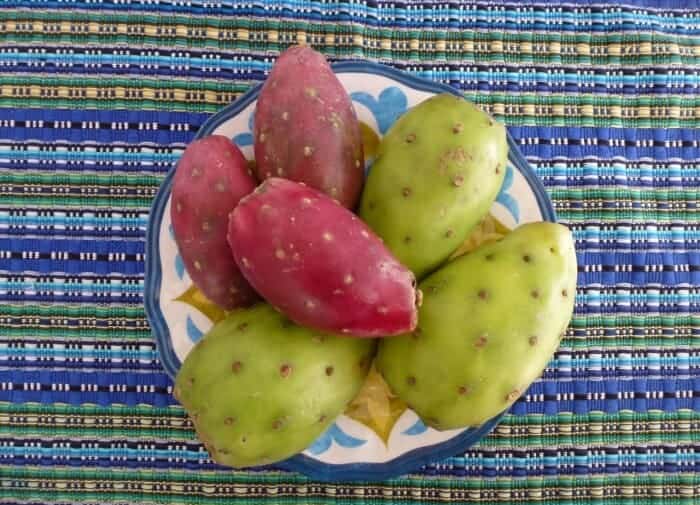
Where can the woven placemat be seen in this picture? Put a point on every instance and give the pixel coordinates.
(98, 99)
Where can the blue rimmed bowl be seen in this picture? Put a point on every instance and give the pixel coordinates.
(349, 450)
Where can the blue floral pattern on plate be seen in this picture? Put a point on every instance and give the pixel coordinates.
(387, 108)
(347, 450)
(334, 434)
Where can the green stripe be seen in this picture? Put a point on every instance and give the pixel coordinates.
(107, 104)
(108, 180)
(668, 320)
(572, 121)
(194, 85)
(588, 341)
(72, 311)
(595, 100)
(198, 21)
(92, 410)
(226, 477)
(613, 216)
(594, 429)
(170, 433)
(77, 332)
(640, 342)
(177, 412)
(198, 85)
(560, 197)
(482, 100)
(88, 201)
(522, 441)
(351, 51)
(620, 194)
(610, 486)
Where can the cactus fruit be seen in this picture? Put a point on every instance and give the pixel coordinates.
(490, 322)
(211, 177)
(438, 170)
(306, 128)
(260, 389)
(319, 264)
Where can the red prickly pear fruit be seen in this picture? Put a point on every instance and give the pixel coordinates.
(211, 177)
(306, 129)
(319, 264)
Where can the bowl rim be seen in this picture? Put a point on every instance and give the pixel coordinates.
(313, 468)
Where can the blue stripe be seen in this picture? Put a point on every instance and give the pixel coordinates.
(7, 220)
(609, 304)
(647, 268)
(616, 236)
(83, 353)
(552, 142)
(482, 81)
(116, 287)
(84, 156)
(566, 461)
(72, 246)
(580, 404)
(605, 361)
(123, 298)
(606, 261)
(44, 233)
(428, 17)
(126, 366)
(581, 142)
(77, 116)
(160, 398)
(72, 221)
(117, 165)
(620, 174)
(521, 77)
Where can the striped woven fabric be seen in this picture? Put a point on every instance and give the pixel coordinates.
(98, 98)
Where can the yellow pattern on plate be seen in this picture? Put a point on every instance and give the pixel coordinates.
(376, 406)
(194, 297)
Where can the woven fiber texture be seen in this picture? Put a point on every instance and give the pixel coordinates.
(98, 99)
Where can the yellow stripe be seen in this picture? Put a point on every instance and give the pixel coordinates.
(511, 108)
(467, 41)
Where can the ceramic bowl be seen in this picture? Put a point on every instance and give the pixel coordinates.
(349, 450)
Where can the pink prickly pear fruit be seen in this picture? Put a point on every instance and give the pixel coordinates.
(306, 128)
(320, 265)
(211, 177)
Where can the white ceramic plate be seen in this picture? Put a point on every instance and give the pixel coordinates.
(349, 450)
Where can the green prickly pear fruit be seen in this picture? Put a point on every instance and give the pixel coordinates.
(489, 324)
(260, 389)
(437, 172)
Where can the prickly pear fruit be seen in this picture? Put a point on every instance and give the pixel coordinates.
(211, 177)
(260, 389)
(438, 170)
(490, 322)
(306, 128)
(319, 264)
